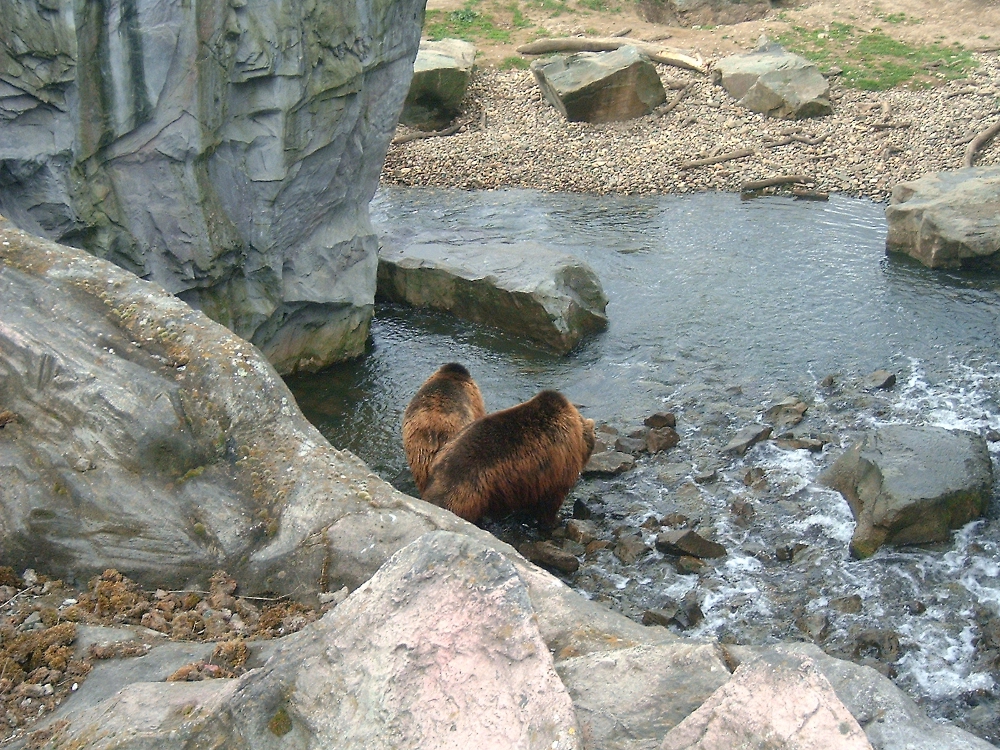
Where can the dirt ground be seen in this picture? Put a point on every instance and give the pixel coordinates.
(975, 24)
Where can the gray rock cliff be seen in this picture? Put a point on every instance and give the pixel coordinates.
(225, 150)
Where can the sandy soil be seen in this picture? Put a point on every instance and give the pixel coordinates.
(975, 24)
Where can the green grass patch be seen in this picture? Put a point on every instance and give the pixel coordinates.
(600, 5)
(514, 62)
(874, 61)
(552, 7)
(468, 23)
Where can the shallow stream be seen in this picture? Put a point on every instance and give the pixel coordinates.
(719, 308)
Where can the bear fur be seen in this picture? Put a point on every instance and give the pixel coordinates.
(522, 459)
(446, 402)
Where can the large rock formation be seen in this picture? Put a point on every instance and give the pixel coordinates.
(226, 150)
(910, 485)
(947, 219)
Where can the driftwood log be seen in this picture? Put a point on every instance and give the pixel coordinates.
(676, 100)
(785, 179)
(654, 52)
(421, 134)
(978, 142)
(742, 154)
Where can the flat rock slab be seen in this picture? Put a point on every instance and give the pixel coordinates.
(912, 485)
(600, 86)
(947, 219)
(441, 73)
(525, 289)
(779, 700)
(775, 82)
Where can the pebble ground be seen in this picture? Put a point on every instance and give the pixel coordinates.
(512, 138)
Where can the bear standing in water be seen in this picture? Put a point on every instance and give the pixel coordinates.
(446, 402)
(522, 459)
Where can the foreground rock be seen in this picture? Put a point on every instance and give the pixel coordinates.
(910, 485)
(148, 438)
(524, 289)
(890, 719)
(439, 649)
(186, 143)
(600, 86)
(441, 73)
(775, 82)
(655, 687)
(779, 700)
(947, 219)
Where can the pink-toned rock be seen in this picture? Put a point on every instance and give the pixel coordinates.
(439, 650)
(780, 701)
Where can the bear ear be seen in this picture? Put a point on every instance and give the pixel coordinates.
(453, 368)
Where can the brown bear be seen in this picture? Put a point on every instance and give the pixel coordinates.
(446, 402)
(522, 459)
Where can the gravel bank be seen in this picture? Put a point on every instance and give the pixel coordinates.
(525, 143)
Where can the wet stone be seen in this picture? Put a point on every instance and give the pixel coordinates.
(875, 643)
(661, 617)
(687, 542)
(848, 605)
(916, 607)
(743, 511)
(581, 510)
(791, 442)
(674, 520)
(608, 462)
(880, 380)
(706, 477)
(630, 445)
(747, 438)
(787, 412)
(581, 531)
(630, 548)
(787, 552)
(816, 625)
(548, 555)
(597, 545)
(650, 523)
(660, 420)
(662, 439)
(686, 565)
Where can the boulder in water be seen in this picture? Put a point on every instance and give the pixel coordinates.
(525, 289)
(947, 219)
(912, 485)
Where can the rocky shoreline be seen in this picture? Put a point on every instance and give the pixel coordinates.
(511, 138)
